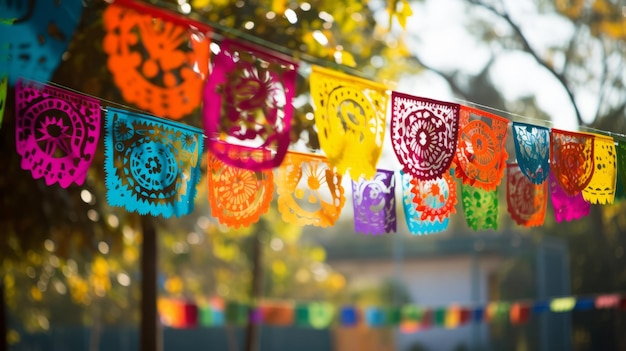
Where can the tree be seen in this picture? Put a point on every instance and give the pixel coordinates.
(341, 34)
(71, 247)
(587, 67)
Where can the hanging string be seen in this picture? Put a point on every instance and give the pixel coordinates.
(529, 119)
(220, 32)
(110, 102)
(314, 151)
(535, 120)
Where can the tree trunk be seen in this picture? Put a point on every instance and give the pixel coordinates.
(150, 333)
(4, 325)
(252, 329)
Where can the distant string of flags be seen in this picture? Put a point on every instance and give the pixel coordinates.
(410, 318)
(153, 164)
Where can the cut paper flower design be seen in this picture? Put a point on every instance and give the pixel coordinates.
(4, 82)
(238, 197)
(424, 134)
(350, 117)
(480, 207)
(152, 165)
(57, 132)
(309, 191)
(532, 149)
(571, 160)
(414, 221)
(374, 203)
(567, 207)
(601, 187)
(35, 34)
(526, 201)
(480, 156)
(248, 100)
(435, 199)
(157, 65)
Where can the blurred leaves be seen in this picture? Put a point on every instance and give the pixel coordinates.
(604, 17)
(53, 264)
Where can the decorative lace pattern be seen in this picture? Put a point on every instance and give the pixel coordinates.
(526, 201)
(350, 118)
(248, 101)
(601, 187)
(435, 199)
(57, 132)
(480, 155)
(532, 149)
(309, 191)
(424, 135)
(35, 34)
(571, 160)
(156, 64)
(480, 206)
(238, 197)
(152, 165)
(375, 204)
(414, 221)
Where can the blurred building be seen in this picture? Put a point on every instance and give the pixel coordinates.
(467, 269)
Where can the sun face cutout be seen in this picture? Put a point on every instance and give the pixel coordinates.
(309, 191)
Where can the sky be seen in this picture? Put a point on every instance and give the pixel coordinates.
(443, 42)
(438, 35)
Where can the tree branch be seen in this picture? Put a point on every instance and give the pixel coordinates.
(527, 48)
(605, 72)
(447, 76)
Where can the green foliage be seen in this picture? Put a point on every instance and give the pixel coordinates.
(66, 257)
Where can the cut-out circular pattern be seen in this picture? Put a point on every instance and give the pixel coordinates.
(309, 191)
(156, 64)
(414, 221)
(424, 134)
(435, 199)
(152, 165)
(56, 132)
(526, 201)
(480, 156)
(248, 101)
(350, 118)
(238, 197)
(572, 159)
